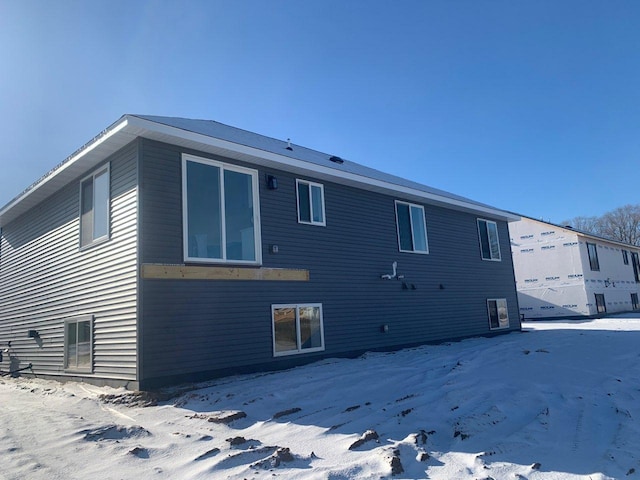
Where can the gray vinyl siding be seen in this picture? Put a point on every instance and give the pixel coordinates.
(222, 327)
(46, 278)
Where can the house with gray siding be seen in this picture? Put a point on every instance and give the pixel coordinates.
(168, 250)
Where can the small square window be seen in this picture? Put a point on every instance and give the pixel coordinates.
(498, 313)
(489, 243)
(297, 329)
(94, 207)
(78, 344)
(310, 202)
(412, 228)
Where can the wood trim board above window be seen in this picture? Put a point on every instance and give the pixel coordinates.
(220, 212)
(310, 197)
(411, 228)
(489, 241)
(95, 207)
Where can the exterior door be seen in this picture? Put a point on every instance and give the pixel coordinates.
(600, 303)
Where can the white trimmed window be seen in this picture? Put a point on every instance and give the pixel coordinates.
(310, 202)
(412, 228)
(94, 207)
(498, 313)
(78, 344)
(489, 242)
(297, 328)
(221, 219)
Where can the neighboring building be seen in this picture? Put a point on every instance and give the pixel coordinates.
(562, 272)
(169, 250)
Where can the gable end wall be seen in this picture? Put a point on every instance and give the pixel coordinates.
(45, 278)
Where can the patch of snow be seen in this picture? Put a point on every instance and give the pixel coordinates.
(561, 400)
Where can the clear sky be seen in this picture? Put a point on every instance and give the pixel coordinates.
(531, 106)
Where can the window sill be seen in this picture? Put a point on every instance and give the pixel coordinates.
(298, 352)
(95, 243)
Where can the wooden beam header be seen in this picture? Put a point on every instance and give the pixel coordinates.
(191, 272)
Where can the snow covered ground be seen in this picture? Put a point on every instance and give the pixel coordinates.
(559, 401)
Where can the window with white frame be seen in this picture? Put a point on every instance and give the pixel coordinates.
(78, 344)
(625, 257)
(310, 202)
(498, 313)
(592, 250)
(489, 242)
(94, 207)
(220, 212)
(297, 328)
(412, 228)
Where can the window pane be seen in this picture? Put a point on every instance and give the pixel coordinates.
(484, 240)
(304, 202)
(419, 229)
(86, 212)
(84, 344)
(284, 325)
(101, 205)
(238, 202)
(204, 211)
(310, 328)
(492, 230)
(71, 343)
(316, 203)
(404, 226)
(592, 249)
(503, 313)
(493, 314)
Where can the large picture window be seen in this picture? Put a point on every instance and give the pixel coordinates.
(220, 212)
(498, 313)
(78, 344)
(489, 243)
(310, 202)
(592, 250)
(412, 228)
(94, 207)
(297, 329)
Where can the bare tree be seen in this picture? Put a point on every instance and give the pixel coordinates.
(621, 224)
(585, 224)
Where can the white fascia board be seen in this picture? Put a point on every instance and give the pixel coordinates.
(63, 172)
(266, 158)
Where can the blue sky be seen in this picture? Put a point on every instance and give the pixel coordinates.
(530, 106)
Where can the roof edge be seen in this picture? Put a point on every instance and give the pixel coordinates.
(129, 126)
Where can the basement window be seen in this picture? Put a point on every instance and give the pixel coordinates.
(297, 329)
(78, 344)
(498, 313)
(310, 202)
(94, 207)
